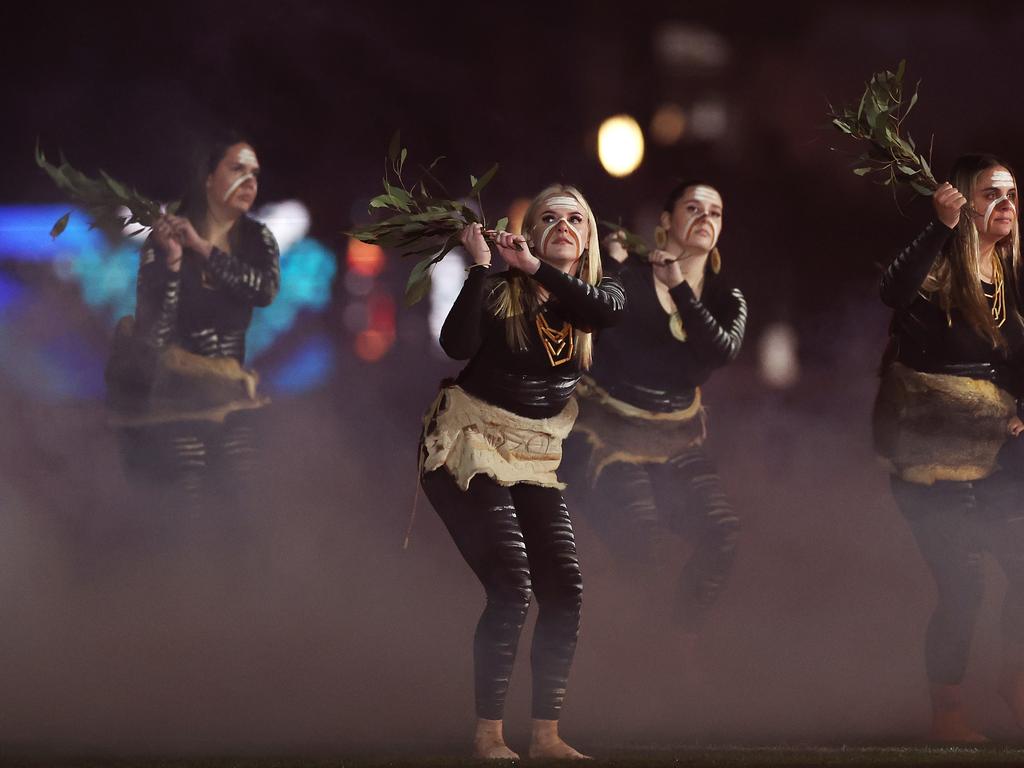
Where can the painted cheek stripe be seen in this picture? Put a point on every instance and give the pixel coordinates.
(992, 209)
(698, 219)
(550, 230)
(236, 184)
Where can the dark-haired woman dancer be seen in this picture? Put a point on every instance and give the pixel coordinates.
(641, 412)
(176, 376)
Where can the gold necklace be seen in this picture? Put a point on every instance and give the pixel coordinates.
(559, 344)
(998, 293)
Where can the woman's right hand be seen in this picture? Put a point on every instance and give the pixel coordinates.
(614, 248)
(167, 243)
(472, 239)
(948, 201)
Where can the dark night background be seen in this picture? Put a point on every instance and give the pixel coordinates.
(311, 629)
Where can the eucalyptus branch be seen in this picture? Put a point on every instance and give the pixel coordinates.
(420, 223)
(104, 199)
(877, 120)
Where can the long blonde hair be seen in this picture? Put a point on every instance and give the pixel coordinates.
(515, 299)
(954, 278)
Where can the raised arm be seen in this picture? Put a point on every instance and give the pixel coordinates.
(590, 307)
(462, 332)
(158, 288)
(903, 278)
(714, 339)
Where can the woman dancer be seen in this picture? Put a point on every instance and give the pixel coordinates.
(176, 376)
(641, 410)
(946, 419)
(492, 444)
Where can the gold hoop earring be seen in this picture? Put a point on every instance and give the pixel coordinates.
(716, 261)
(660, 238)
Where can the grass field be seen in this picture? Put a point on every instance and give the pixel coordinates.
(684, 757)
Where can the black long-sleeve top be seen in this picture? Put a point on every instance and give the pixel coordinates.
(207, 306)
(925, 338)
(523, 380)
(642, 363)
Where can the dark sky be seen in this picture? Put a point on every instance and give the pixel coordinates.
(320, 86)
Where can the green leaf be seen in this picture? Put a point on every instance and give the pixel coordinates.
(921, 189)
(401, 161)
(418, 284)
(502, 224)
(862, 171)
(115, 186)
(472, 180)
(60, 225)
(484, 180)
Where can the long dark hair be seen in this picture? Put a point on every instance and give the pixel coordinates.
(954, 278)
(206, 158)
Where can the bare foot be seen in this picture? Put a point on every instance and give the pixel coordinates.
(1011, 688)
(954, 730)
(949, 719)
(489, 742)
(547, 744)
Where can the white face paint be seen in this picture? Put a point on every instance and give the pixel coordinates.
(1001, 180)
(565, 208)
(701, 199)
(245, 157)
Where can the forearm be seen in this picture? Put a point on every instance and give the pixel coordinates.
(903, 278)
(158, 294)
(254, 285)
(461, 334)
(712, 342)
(590, 307)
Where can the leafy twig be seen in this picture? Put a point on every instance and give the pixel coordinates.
(877, 120)
(104, 199)
(421, 223)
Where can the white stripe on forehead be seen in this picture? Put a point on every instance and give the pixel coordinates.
(247, 156)
(1002, 180)
(707, 194)
(562, 201)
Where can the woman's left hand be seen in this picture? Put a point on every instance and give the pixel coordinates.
(1015, 426)
(518, 257)
(188, 236)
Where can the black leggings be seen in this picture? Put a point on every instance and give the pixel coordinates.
(518, 541)
(197, 459)
(954, 524)
(633, 506)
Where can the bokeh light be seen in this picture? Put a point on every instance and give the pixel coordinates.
(620, 145)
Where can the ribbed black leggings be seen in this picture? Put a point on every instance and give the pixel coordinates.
(634, 506)
(954, 524)
(197, 459)
(518, 541)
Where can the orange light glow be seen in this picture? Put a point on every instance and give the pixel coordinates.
(372, 345)
(365, 259)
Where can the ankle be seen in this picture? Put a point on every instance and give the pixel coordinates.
(544, 731)
(489, 730)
